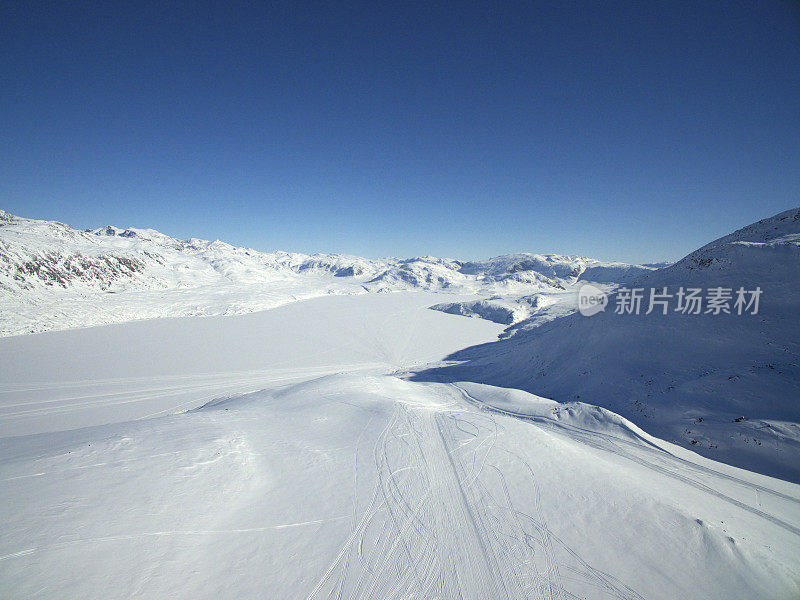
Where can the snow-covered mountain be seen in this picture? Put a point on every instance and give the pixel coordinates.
(53, 276)
(726, 385)
(290, 450)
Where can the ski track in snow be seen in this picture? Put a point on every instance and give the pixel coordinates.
(441, 522)
(658, 460)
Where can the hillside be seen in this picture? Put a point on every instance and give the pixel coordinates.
(725, 385)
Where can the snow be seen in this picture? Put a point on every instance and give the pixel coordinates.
(343, 444)
(723, 385)
(339, 477)
(521, 312)
(77, 378)
(55, 277)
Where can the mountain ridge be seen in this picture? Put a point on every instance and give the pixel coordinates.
(724, 385)
(59, 270)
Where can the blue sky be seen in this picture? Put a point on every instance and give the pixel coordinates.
(620, 130)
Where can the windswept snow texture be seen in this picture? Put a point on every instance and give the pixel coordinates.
(55, 277)
(308, 467)
(727, 386)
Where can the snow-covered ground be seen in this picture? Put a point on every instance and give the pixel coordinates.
(308, 466)
(78, 378)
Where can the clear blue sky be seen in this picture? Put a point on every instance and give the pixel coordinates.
(622, 130)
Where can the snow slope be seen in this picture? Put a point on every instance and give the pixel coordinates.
(55, 277)
(78, 378)
(309, 468)
(727, 386)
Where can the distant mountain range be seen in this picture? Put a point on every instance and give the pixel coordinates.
(53, 276)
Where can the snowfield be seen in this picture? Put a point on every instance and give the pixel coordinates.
(340, 478)
(70, 379)
(352, 444)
